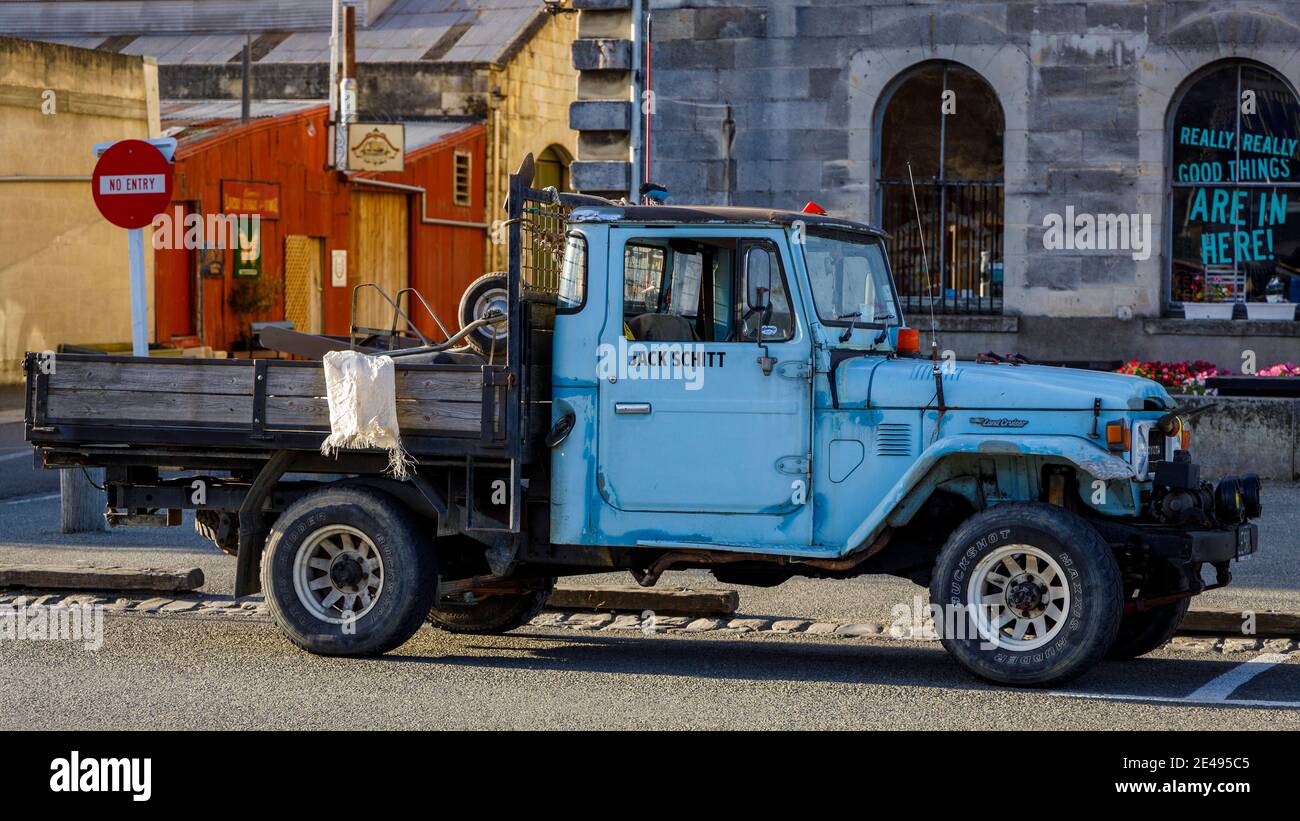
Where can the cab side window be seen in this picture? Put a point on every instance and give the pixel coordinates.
(678, 289)
(705, 289)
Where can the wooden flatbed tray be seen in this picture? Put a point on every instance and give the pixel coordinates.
(219, 401)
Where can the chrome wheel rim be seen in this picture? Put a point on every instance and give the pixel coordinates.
(1018, 597)
(495, 300)
(338, 574)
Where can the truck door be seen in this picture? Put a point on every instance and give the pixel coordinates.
(696, 416)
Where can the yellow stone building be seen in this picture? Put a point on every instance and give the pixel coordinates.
(63, 268)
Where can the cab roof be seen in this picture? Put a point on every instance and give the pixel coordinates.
(714, 214)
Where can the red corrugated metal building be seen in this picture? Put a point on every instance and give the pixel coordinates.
(421, 227)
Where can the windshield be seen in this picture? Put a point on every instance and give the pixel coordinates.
(850, 280)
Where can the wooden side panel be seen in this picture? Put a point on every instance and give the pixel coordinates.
(196, 392)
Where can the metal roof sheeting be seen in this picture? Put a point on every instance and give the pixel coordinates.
(70, 18)
(199, 119)
(212, 31)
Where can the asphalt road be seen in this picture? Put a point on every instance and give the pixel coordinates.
(170, 673)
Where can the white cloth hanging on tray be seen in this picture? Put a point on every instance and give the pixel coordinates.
(362, 393)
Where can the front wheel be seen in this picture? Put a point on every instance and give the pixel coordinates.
(1029, 595)
(347, 572)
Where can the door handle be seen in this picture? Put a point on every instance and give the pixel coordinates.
(632, 408)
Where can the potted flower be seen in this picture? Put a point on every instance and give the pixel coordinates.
(1274, 306)
(1215, 302)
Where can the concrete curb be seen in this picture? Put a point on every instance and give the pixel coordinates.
(87, 577)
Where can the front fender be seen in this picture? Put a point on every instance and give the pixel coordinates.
(913, 487)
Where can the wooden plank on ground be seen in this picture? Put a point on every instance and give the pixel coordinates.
(640, 599)
(86, 577)
(1230, 622)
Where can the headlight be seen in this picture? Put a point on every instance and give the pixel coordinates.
(1140, 456)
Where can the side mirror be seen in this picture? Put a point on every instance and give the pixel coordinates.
(758, 279)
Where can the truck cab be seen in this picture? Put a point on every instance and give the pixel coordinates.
(736, 398)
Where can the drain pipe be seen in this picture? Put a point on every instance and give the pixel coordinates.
(424, 199)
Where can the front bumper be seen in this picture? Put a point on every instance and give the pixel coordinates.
(1213, 546)
(1210, 546)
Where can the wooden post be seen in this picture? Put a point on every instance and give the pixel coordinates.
(81, 504)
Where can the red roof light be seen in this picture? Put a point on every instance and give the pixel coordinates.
(814, 208)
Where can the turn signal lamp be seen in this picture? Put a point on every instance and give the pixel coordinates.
(1119, 436)
(909, 342)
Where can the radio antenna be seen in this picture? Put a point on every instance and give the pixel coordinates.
(929, 293)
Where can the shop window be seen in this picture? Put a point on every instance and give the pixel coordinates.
(1234, 183)
(945, 121)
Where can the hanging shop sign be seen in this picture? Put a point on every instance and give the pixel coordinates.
(376, 146)
(251, 197)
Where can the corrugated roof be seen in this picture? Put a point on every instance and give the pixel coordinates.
(176, 112)
(199, 120)
(212, 31)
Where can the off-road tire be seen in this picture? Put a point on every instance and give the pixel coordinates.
(409, 571)
(481, 289)
(494, 614)
(1089, 573)
(1145, 632)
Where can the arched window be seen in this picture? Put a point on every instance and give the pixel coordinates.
(946, 121)
(1234, 183)
(553, 168)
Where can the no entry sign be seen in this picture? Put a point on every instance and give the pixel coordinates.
(132, 183)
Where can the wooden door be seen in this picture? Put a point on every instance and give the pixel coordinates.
(380, 249)
(303, 290)
(174, 275)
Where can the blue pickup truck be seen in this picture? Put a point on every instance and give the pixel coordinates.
(654, 387)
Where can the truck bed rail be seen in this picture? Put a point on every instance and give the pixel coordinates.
(261, 404)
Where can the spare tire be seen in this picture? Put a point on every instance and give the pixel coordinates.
(486, 295)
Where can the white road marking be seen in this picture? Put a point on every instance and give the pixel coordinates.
(27, 454)
(31, 499)
(1213, 692)
(1226, 702)
(1218, 689)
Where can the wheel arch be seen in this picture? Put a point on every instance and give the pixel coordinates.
(985, 471)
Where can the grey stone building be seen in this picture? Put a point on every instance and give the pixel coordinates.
(1090, 176)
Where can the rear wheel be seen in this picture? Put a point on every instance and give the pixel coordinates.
(486, 295)
(1030, 595)
(1145, 632)
(348, 572)
(498, 613)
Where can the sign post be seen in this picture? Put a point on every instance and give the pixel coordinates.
(131, 184)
